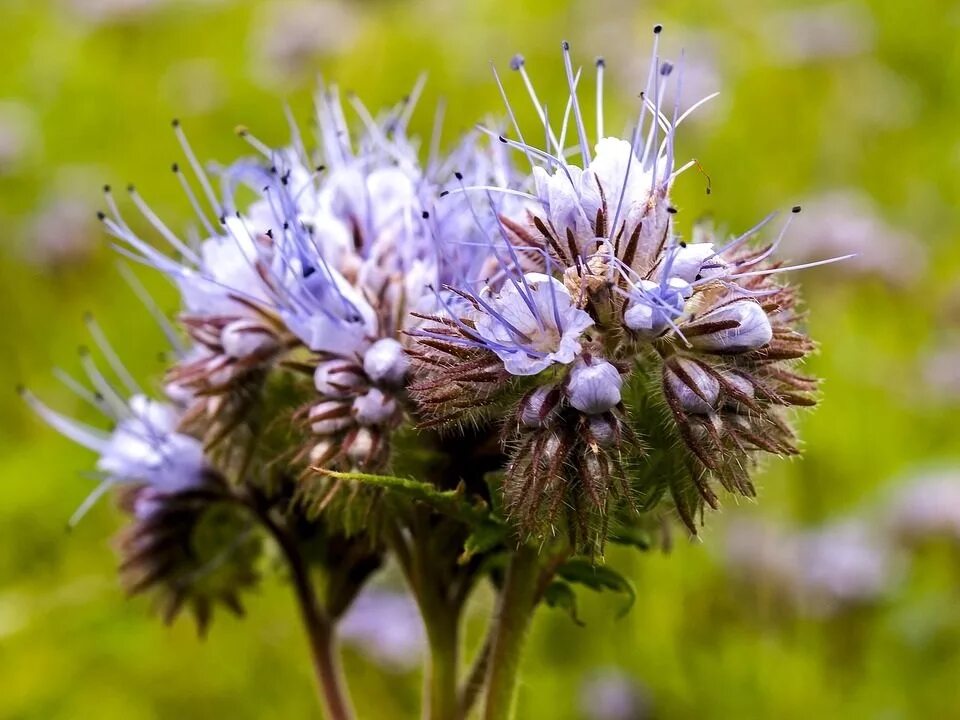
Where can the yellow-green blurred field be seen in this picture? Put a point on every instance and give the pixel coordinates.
(850, 107)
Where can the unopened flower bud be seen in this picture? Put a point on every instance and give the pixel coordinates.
(386, 362)
(322, 452)
(329, 417)
(374, 407)
(652, 306)
(337, 378)
(594, 387)
(695, 389)
(363, 446)
(538, 406)
(246, 338)
(738, 384)
(604, 429)
(689, 261)
(551, 446)
(743, 326)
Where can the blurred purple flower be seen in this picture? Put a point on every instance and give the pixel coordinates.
(842, 222)
(290, 36)
(63, 232)
(824, 32)
(822, 571)
(611, 694)
(385, 625)
(928, 505)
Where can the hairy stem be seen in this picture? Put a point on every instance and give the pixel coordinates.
(440, 690)
(473, 684)
(518, 599)
(319, 629)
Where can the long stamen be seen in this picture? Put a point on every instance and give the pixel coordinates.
(194, 203)
(410, 103)
(160, 226)
(518, 64)
(79, 390)
(296, 139)
(510, 113)
(111, 356)
(89, 437)
(581, 130)
(197, 168)
(566, 115)
(112, 206)
(98, 492)
(141, 292)
(117, 404)
(738, 241)
(257, 144)
(601, 64)
(804, 266)
(776, 243)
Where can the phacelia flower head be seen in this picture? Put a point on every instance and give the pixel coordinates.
(594, 295)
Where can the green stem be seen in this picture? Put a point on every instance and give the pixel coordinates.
(440, 689)
(319, 629)
(518, 599)
(473, 684)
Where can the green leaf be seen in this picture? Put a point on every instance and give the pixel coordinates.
(561, 596)
(452, 503)
(633, 536)
(598, 578)
(484, 538)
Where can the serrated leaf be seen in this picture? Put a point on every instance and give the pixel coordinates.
(452, 503)
(599, 578)
(561, 596)
(484, 538)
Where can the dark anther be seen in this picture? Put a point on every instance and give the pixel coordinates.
(657, 28)
(425, 214)
(795, 209)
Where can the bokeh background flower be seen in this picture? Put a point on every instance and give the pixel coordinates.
(837, 596)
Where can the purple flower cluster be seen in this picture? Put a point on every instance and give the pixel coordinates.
(536, 304)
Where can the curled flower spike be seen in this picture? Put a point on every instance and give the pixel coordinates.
(592, 291)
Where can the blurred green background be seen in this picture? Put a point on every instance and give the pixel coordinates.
(849, 107)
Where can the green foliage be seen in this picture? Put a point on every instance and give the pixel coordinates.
(561, 596)
(599, 578)
(452, 503)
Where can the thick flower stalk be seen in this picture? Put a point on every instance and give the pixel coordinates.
(484, 363)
